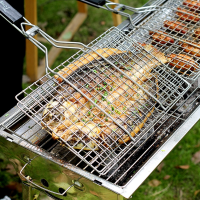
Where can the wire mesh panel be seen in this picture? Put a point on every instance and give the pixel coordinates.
(103, 101)
(174, 30)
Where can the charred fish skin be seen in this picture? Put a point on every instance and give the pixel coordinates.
(82, 125)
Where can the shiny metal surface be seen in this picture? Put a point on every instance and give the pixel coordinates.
(24, 141)
(58, 176)
(15, 151)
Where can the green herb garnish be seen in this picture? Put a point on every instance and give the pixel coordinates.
(105, 93)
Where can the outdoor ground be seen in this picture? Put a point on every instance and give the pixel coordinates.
(177, 177)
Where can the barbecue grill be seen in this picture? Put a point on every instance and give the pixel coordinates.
(157, 66)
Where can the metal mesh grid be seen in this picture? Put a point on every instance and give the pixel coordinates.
(100, 106)
(119, 172)
(174, 30)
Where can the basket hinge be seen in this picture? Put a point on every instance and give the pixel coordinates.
(33, 31)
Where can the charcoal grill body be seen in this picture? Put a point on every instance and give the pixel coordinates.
(51, 176)
(59, 174)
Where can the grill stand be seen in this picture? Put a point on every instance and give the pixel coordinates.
(9, 145)
(59, 177)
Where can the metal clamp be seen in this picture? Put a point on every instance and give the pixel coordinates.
(120, 8)
(28, 179)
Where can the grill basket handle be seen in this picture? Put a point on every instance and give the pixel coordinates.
(9, 12)
(95, 3)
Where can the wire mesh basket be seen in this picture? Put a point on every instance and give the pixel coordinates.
(102, 100)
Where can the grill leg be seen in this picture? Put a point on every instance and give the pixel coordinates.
(119, 197)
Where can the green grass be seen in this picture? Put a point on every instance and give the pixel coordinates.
(183, 183)
(53, 17)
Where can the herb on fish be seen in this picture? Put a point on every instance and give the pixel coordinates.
(124, 108)
(118, 112)
(112, 108)
(103, 98)
(109, 103)
(95, 101)
(95, 71)
(114, 129)
(99, 125)
(105, 93)
(87, 85)
(89, 113)
(106, 119)
(121, 75)
(83, 120)
(129, 68)
(91, 107)
(111, 89)
(116, 63)
(104, 83)
(126, 95)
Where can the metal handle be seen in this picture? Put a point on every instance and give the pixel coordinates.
(9, 12)
(42, 188)
(95, 3)
(120, 8)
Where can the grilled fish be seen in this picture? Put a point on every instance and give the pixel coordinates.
(75, 120)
